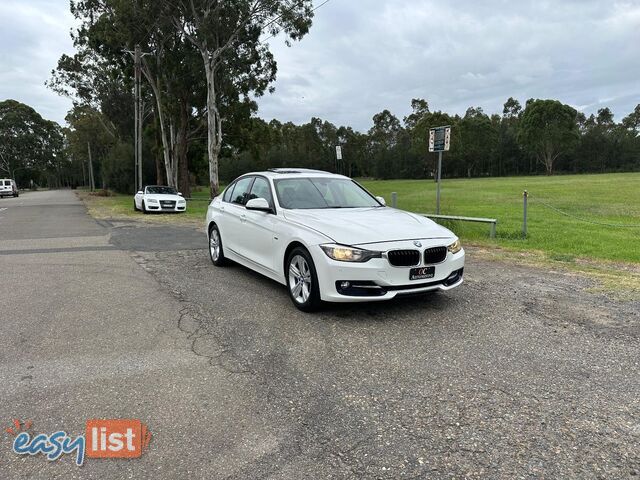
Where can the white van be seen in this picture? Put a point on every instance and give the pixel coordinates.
(8, 188)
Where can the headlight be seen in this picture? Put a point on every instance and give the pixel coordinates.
(180, 202)
(455, 247)
(152, 200)
(349, 254)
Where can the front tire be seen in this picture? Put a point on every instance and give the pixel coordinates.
(144, 208)
(216, 251)
(135, 207)
(302, 280)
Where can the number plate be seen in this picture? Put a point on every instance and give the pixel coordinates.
(422, 273)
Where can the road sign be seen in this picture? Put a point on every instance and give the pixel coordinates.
(339, 152)
(440, 139)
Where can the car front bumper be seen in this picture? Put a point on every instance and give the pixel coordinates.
(378, 280)
(154, 207)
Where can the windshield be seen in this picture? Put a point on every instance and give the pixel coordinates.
(162, 190)
(308, 193)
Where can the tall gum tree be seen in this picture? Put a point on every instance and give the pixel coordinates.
(548, 129)
(227, 35)
(107, 31)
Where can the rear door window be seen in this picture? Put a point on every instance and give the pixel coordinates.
(227, 193)
(241, 191)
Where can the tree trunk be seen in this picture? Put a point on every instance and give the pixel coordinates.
(159, 156)
(182, 150)
(166, 148)
(214, 127)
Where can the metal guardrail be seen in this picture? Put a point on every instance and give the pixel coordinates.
(492, 221)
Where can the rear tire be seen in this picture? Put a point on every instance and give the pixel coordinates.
(216, 251)
(302, 280)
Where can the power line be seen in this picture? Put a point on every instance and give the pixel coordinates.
(280, 16)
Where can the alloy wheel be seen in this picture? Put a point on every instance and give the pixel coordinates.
(214, 244)
(299, 279)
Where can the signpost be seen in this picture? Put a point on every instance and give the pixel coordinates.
(338, 158)
(439, 141)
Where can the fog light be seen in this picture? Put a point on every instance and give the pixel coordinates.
(344, 285)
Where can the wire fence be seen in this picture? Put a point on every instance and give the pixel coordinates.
(523, 233)
(579, 218)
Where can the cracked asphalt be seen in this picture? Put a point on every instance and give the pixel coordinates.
(520, 373)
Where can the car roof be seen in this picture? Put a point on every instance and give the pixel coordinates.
(276, 173)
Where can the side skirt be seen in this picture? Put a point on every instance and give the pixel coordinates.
(250, 264)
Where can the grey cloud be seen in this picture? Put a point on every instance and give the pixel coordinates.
(364, 56)
(33, 35)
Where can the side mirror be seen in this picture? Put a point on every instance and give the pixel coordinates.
(382, 201)
(180, 193)
(258, 204)
(140, 192)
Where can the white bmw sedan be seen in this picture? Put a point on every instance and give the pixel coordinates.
(328, 239)
(157, 198)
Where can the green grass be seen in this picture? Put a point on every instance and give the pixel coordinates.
(121, 206)
(607, 198)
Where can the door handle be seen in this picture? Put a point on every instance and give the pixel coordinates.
(222, 209)
(243, 218)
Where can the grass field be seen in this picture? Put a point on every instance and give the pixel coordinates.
(121, 206)
(608, 198)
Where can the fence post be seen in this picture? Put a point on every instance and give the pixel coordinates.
(525, 196)
(394, 199)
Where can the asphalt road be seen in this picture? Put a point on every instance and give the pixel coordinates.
(520, 373)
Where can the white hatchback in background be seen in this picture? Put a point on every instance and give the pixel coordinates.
(8, 188)
(158, 198)
(328, 239)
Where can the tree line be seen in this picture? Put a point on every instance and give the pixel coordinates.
(544, 137)
(205, 62)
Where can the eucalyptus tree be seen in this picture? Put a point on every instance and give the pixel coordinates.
(28, 142)
(548, 129)
(227, 35)
(632, 121)
(107, 34)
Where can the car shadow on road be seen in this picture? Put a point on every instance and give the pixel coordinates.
(378, 311)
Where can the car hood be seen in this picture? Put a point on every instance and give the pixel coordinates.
(357, 226)
(159, 196)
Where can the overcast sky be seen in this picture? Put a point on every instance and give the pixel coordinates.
(367, 55)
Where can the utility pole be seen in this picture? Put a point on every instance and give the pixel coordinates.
(84, 176)
(92, 183)
(137, 59)
(138, 113)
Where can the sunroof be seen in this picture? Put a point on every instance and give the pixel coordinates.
(281, 170)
